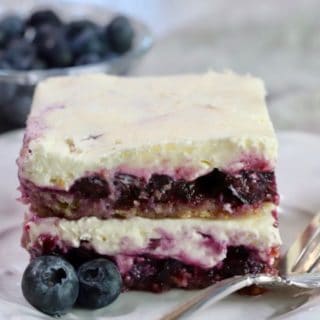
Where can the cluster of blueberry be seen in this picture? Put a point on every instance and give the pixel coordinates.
(44, 41)
(53, 286)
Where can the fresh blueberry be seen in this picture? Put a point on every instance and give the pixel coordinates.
(120, 34)
(44, 17)
(89, 58)
(88, 41)
(11, 26)
(20, 55)
(51, 285)
(74, 28)
(100, 283)
(52, 46)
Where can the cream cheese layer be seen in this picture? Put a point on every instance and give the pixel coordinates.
(200, 242)
(182, 126)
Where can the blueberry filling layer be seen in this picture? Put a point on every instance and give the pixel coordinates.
(153, 274)
(160, 196)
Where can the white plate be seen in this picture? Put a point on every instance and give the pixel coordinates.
(299, 182)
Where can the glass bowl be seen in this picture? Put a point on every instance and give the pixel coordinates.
(17, 87)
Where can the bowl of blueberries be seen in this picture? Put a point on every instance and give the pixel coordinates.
(41, 40)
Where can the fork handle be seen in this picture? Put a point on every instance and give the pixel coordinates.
(211, 294)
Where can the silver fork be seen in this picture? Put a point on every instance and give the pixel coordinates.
(299, 268)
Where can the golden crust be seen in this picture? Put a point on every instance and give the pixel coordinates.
(207, 211)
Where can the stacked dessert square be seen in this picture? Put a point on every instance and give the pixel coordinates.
(172, 177)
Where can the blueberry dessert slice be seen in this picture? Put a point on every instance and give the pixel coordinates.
(149, 183)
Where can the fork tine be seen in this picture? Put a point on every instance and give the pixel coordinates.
(310, 256)
(302, 246)
(315, 268)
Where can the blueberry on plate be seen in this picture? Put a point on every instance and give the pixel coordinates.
(52, 46)
(41, 17)
(20, 55)
(11, 26)
(100, 283)
(120, 34)
(51, 285)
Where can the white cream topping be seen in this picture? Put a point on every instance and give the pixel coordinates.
(87, 123)
(195, 241)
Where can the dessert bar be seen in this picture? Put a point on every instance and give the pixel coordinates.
(172, 178)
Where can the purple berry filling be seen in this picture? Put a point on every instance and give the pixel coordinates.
(150, 273)
(160, 196)
(91, 187)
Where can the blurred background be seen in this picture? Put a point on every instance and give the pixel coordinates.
(278, 41)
